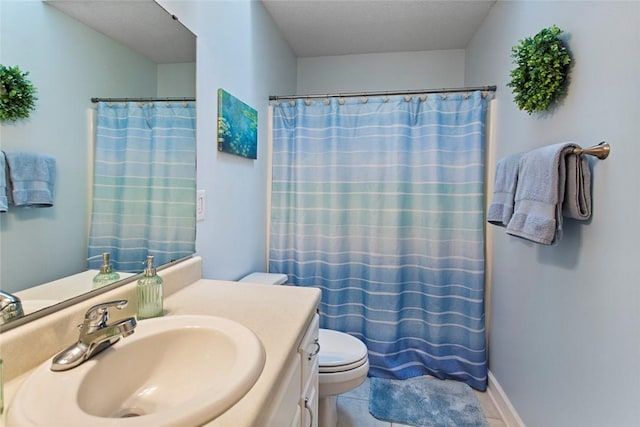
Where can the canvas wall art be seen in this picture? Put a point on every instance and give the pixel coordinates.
(237, 126)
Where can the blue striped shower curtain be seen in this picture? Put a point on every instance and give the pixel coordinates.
(380, 205)
(144, 184)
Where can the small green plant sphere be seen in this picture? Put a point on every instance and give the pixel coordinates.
(542, 63)
(17, 94)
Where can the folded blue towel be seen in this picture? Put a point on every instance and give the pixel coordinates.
(32, 178)
(577, 197)
(504, 190)
(546, 177)
(4, 203)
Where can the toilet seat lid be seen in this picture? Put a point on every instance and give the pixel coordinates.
(339, 349)
(342, 368)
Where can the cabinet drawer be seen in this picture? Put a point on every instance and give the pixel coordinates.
(309, 406)
(309, 349)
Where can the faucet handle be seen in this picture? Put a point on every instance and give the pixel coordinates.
(100, 312)
(10, 307)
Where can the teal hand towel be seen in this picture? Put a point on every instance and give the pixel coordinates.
(4, 203)
(32, 178)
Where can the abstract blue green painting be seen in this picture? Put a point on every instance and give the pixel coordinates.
(237, 126)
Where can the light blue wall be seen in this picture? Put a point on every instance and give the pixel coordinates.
(564, 330)
(177, 80)
(240, 50)
(381, 72)
(68, 63)
(565, 325)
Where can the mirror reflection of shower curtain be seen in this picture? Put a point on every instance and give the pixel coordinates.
(144, 184)
(380, 205)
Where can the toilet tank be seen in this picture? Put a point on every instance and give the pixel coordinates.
(266, 278)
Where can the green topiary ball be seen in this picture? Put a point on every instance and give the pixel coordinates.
(542, 63)
(17, 94)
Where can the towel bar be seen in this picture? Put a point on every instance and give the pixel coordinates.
(601, 150)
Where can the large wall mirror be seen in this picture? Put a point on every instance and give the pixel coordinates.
(73, 51)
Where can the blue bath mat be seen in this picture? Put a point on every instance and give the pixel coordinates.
(425, 402)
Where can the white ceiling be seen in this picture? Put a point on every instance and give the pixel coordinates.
(311, 27)
(341, 27)
(141, 25)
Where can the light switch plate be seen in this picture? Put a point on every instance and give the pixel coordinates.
(200, 205)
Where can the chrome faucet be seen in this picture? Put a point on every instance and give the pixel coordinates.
(96, 334)
(10, 307)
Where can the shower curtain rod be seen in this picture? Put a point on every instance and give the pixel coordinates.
(388, 93)
(94, 100)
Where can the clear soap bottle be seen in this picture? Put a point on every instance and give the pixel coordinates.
(149, 292)
(106, 274)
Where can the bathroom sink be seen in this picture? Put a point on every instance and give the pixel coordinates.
(173, 371)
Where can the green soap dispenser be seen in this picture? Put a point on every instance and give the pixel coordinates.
(149, 292)
(106, 274)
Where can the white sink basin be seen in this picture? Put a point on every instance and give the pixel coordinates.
(173, 371)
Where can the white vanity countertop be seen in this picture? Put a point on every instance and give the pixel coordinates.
(278, 315)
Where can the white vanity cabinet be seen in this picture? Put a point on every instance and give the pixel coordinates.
(308, 351)
(298, 398)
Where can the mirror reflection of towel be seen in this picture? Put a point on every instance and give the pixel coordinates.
(31, 177)
(4, 202)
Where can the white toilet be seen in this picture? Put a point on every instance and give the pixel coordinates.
(343, 360)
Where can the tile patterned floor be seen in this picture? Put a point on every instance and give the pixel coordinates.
(353, 410)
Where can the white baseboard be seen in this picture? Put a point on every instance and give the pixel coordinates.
(503, 405)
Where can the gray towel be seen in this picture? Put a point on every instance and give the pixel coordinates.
(32, 178)
(4, 203)
(504, 190)
(551, 180)
(577, 196)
